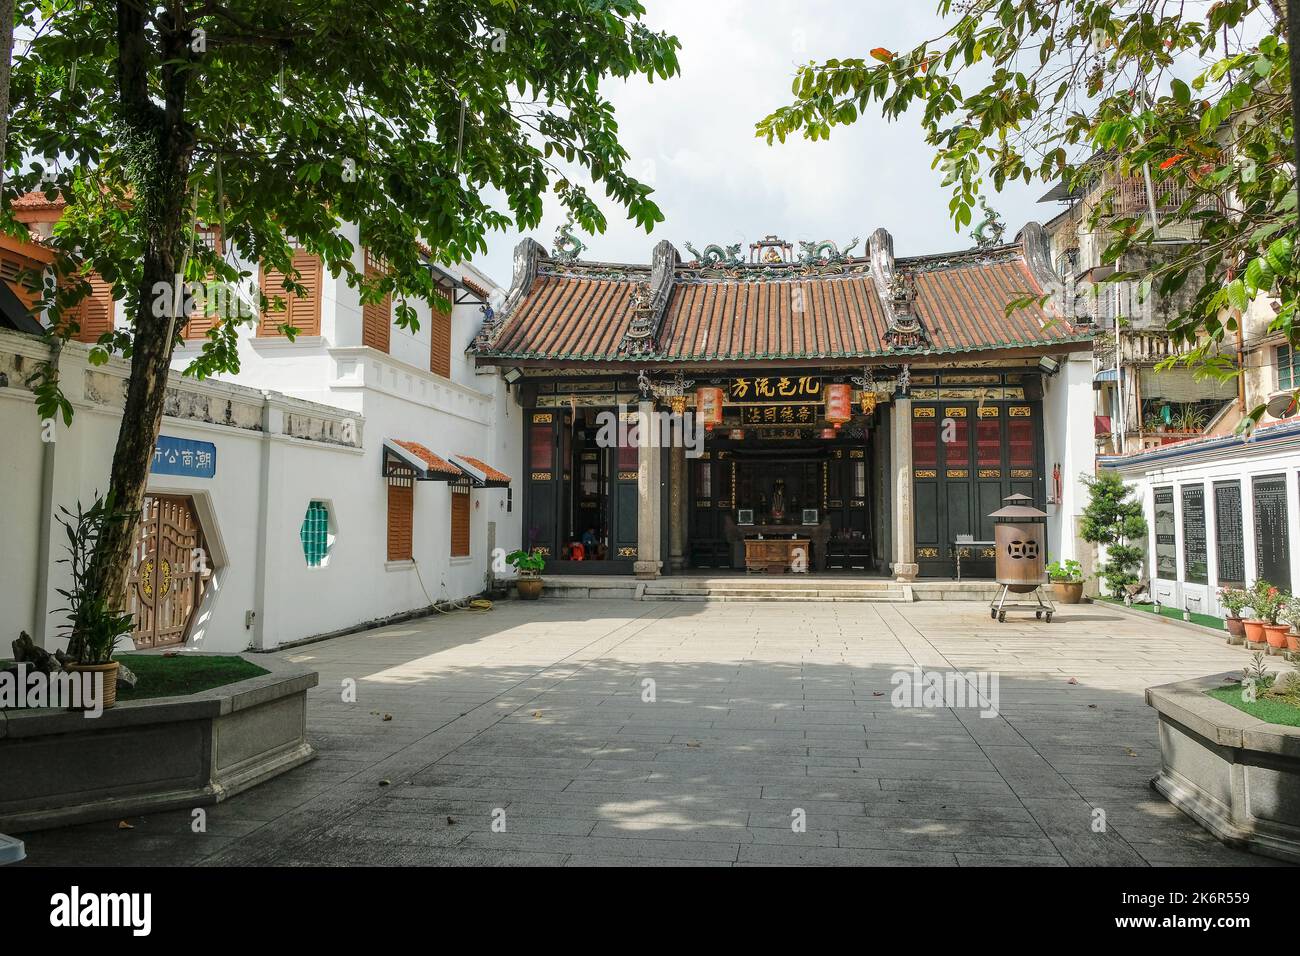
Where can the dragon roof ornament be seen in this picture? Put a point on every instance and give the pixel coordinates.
(567, 247)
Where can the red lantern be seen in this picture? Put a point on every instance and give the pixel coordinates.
(839, 404)
(708, 405)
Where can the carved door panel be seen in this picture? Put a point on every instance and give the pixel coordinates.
(169, 562)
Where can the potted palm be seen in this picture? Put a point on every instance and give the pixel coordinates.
(1234, 601)
(94, 625)
(529, 564)
(1067, 581)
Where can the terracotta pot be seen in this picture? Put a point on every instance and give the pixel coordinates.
(1293, 642)
(1254, 631)
(530, 589)
(1236, 629)
(109, 671)
(1275, 634)
(1067, 592)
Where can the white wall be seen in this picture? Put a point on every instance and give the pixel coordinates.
(1068, 442)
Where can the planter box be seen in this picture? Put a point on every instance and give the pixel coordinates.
(58, 767)
(1232, 773)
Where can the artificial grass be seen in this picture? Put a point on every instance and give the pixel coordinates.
(183, 674)
(180, 675)
(1271, 711)
(1173, 613)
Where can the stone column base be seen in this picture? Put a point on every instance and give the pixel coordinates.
(646, 570)
(905, 573)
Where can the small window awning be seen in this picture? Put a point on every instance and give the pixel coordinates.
(481, 474)
(409, 459)
(1107, 375)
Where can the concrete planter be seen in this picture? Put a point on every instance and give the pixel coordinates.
(1232, 773)
(58, 767)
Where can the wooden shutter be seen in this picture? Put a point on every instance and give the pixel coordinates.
(201, 320)
(440, 338)
(377, 317)
(400, 507)
(303, 313)
(15, 271)
(460, 521)
(94, 313)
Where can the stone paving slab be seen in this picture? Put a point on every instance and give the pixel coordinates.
(529, 736)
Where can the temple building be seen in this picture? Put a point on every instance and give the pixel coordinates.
(862, 413)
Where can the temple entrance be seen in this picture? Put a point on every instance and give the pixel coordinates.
(785, 501)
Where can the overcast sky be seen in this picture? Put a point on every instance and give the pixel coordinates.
(692, 139)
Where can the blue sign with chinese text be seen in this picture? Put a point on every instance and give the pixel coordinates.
(183, 456)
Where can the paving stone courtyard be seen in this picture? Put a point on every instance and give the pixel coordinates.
(532, 716)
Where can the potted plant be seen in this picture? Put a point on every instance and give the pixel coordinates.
(1291, 614)
(1266, 601)
(529, 564)
(1067, 581)
(94, 626)
(1234, 601)
(1113, 518)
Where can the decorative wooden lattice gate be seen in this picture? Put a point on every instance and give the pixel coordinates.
(169, 559)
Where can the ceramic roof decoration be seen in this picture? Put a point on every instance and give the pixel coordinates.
(820, 304)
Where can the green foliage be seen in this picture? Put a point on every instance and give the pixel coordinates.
(1112, 518)
(93, 625)
(1235, 600)
(1085, 91)
(422, 122)
(527, 563)
(1267, 601)
(1069, 571)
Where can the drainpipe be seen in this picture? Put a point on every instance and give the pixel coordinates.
(41, 616)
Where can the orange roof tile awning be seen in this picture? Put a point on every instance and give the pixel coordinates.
(409, 459)
(480, 473)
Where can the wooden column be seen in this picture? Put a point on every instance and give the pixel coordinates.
(900, 449)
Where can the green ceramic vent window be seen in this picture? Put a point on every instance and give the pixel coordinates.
(315, 534)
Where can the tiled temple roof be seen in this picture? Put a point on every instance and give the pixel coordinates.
(830, 308)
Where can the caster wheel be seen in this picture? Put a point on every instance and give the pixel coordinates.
(993, 614)
(1002, 617)
(1049, 618)
(1039, 615)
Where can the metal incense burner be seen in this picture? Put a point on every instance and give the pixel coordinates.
(1020, 537)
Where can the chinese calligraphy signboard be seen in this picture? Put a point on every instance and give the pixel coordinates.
(184, 456)
(778, 415)
(783, 389)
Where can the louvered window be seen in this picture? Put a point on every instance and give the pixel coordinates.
(440, 336)
(460, 509)
(206, 317)
(376, 317)
(400, 507)
(93, 314)
(301, 312)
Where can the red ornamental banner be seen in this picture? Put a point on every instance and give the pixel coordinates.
(708, 405)
(839, 404)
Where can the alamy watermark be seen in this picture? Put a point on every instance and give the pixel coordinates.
(628, 428)
(919, 688)
(27, 687)
(1102, 303)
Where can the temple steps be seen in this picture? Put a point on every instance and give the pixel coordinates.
(765, 588)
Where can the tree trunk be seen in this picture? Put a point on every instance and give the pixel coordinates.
(165, 144)
(6, 59)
